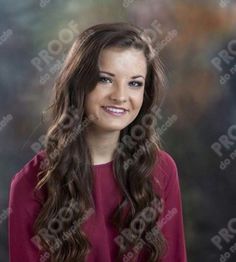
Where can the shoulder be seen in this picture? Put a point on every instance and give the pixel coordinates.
(165, 170)
(166, 162)
(24, 203)
(24, 181)
(28, 170)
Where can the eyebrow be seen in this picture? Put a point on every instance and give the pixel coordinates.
(133, 77)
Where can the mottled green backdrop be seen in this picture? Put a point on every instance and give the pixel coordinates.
(197, 121)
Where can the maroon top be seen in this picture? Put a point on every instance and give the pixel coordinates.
(96, 226)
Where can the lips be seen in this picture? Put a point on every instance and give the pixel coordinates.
(115, 107)
(115, 110)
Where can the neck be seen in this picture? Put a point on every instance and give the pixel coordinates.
(102, 145)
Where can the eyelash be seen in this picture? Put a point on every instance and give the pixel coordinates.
(139, 84)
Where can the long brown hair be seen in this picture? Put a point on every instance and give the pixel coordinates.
(68, 171)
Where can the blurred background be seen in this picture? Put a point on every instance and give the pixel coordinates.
(197, 122)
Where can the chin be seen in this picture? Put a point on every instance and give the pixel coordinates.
(111, 127)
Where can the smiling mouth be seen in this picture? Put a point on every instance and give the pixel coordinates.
(114, 111)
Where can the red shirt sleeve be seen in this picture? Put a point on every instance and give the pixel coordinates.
(171, 220)
(24, 209)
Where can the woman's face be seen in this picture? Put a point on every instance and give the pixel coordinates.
(118, 95)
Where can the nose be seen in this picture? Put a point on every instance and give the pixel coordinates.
(119, 100)
(119, 94)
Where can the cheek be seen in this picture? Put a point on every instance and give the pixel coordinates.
(96, 95)
(92, 100)
(138, 101)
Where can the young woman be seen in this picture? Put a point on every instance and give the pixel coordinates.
(102, 190)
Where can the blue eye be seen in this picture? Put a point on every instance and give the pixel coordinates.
(104, 79)
(136, 83)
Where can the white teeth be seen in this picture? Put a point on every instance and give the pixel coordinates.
(115, 110)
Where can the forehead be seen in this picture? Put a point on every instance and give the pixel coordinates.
(123, 61)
